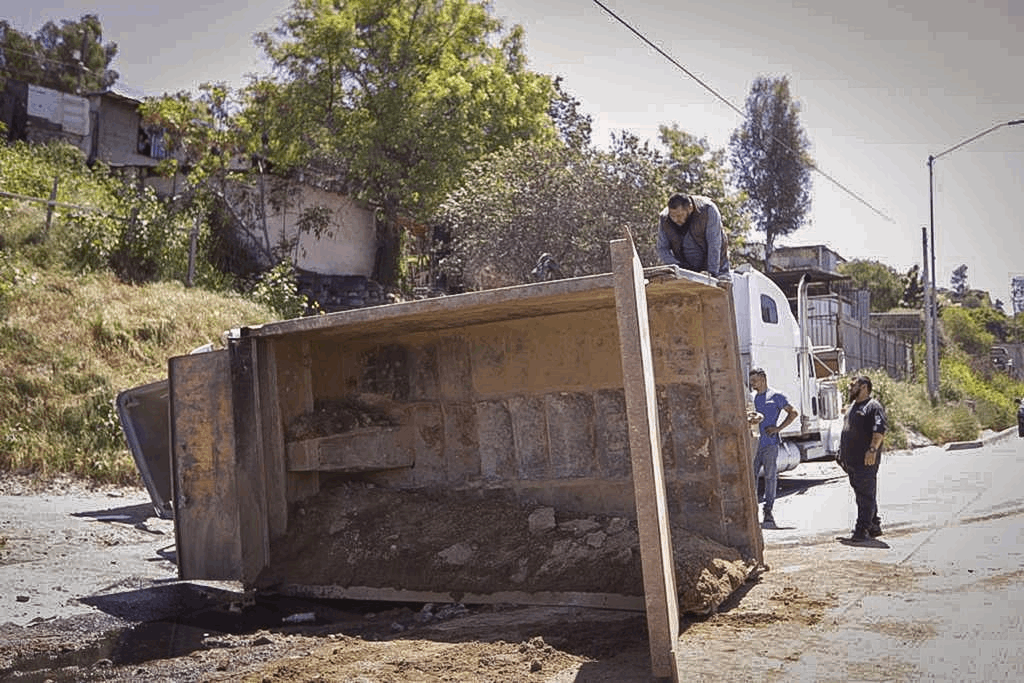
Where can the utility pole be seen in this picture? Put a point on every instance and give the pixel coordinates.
(930, 374)
(932, 346)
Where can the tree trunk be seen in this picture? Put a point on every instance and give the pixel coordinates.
(769, 247)
(385, 267)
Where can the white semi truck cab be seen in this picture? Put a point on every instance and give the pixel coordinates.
(773, 338)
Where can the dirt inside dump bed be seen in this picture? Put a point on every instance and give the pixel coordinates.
(482, 541)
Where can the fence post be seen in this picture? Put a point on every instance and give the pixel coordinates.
(49, 206)
(193, 239)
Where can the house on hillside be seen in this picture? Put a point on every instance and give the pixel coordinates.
(119, 138)
(37, 114)
(839, 318)
(306, 218)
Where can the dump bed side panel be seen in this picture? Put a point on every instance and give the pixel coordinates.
(206, 520)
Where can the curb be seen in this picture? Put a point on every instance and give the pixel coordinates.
(978, 443)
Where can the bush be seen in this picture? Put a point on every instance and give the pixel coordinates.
(119, 227)
(277, 289)
(966, 332)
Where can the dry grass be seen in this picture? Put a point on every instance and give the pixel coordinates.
(69, 344)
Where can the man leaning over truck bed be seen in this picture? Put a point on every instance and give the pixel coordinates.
(690, 235)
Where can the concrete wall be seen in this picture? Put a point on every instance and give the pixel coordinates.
(348, 244)
(812, 256)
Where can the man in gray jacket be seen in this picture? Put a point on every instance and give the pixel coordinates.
(690, 235)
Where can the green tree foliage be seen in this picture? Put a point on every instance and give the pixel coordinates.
(573, 126)
(398, 97)
(958, 281)
(695, 168)
(963, 329)
(1015, 328)
(203, 132)
(538, 197)
(913, 291)
(882, 281)
(770, 155)
(70, 56)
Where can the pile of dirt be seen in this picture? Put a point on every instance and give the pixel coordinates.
(482, 541)
(340, 415)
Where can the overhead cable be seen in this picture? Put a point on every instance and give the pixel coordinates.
(732, 106)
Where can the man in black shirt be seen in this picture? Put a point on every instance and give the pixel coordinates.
(859, 454)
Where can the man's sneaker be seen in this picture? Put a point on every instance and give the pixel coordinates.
(875, 530)
(769, 521)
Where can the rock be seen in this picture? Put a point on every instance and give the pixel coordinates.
(541, 520)
(457, 554)
(580, 526)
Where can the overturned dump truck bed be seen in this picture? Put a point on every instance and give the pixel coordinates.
(468, 448)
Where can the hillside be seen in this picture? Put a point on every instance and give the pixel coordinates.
(69, 343)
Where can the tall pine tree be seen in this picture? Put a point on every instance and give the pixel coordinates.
(770, 157)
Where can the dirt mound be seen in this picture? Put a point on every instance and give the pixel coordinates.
(357, 534)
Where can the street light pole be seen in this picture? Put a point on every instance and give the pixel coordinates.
(931, 302)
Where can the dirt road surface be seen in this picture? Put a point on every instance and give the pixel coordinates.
(88, 592)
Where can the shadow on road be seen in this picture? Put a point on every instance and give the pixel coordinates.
(870, 543)
(795, 486)
(128, 514)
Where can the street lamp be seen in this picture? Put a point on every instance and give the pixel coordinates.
(931, 331)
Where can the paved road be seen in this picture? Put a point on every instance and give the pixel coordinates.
(940, 597)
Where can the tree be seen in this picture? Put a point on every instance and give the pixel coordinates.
(958, 281)
(913, 292)
(770, 156)
(573, 126)
(966, 332)
(70, 57)
(881, 280)
(694, 168)
(397, 97)
(205, 134)
(547, 197)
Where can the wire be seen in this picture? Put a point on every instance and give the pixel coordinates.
(736, 109)
(41, 58)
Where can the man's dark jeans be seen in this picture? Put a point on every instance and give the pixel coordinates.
(864, 481)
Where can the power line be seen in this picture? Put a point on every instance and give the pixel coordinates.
(736, 109)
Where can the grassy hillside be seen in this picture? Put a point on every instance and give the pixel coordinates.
(69, 342)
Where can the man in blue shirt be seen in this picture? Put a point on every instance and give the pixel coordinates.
(771, 404)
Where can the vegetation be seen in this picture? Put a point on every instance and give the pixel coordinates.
(398, 98)
(569, 201)
(913, 289)
(882, 281)
(69, 343)
(974, 395)
(70, 56)
(92, 306)
(770, 155)
(542, 197)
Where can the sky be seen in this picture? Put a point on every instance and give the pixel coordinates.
(882, 84)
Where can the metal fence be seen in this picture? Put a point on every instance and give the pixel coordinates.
(863, 346)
